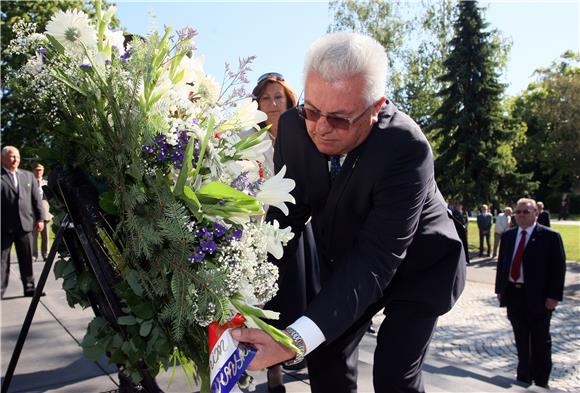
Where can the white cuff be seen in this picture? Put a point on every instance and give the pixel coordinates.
(310, 333)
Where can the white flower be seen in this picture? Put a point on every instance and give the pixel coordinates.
(276, 237)
(73, 30)
(247, 116)
(276, 190)
(251, 168)
(208, 89)
(34, 64)
(115, 39)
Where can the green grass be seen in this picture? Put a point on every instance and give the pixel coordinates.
(570, 236)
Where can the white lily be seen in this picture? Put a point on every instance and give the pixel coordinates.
(247, 116)
(276, 190)
(276, 238)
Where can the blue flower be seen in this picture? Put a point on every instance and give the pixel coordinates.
(208, 246)
(218, 230)
(237, 233)
(198, 255)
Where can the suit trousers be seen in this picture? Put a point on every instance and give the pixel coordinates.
(402, 343)
(486, 236)
(532, 336)
(43, 242)
(23, 243)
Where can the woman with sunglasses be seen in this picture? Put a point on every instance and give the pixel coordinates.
(298, 280)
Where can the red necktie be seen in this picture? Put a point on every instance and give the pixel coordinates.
(517, 262)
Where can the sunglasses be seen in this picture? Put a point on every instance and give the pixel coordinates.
(274, 75)
(343, 123)
(524, 211)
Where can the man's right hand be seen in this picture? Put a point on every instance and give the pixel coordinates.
(269, 352)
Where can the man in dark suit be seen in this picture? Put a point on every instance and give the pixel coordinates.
(543, 215)
(530, 282)
(22, 212)
(364, 172)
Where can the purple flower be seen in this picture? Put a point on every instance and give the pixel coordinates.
(186, 33)
(85, 66)
(237, 233)
(197, 255)
(124, 58)
(147, 149)
(42, 52)
(208, 246)
(218, 230)
(241, 182)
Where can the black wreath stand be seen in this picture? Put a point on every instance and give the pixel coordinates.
(78, 232)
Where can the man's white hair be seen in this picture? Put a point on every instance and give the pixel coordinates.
(343, 55)
(7, 149)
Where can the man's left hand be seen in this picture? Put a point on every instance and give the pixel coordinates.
(39, 226)
(551, 303)
(269, 351)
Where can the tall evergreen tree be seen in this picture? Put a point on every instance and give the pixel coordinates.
(475, 139)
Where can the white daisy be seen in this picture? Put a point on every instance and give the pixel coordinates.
(72, 29)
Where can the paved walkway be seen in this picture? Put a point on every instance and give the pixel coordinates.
(472, 349)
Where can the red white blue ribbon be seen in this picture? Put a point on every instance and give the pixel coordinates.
(228, 359)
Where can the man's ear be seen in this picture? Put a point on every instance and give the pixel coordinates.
(377, 107)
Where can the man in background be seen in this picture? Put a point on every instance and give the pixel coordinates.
(503, 222)
(22, 213)
(484, 221)
(530, 282)
(543, 215)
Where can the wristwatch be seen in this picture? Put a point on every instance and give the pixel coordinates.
(299, 343)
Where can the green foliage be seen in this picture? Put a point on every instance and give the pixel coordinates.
(475, 139)
(549, 109)
(22, 126)
(415, 36)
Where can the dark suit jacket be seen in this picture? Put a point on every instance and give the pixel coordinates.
(21, 208)
(544, 266)
(382, 229)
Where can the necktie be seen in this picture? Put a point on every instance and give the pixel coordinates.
(334, 166)
(517, 262)
(14, 179)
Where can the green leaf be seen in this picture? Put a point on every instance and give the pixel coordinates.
(57, 45)
(143, 310)
(132, 278)
(106, 202)
(146, 328)
(126, 320)
(93, 353)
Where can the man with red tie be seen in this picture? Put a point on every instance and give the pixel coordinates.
(530, 282)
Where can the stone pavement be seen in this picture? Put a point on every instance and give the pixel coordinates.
(472, 349)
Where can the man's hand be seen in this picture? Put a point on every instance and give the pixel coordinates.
(269, 351)
(551, 303)
(39, 226)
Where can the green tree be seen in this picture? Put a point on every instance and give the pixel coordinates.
(20, 126)
(550, 108)
(415, 36)
(475, 138)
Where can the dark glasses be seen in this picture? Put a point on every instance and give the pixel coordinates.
(343, 123)
(275, 75)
